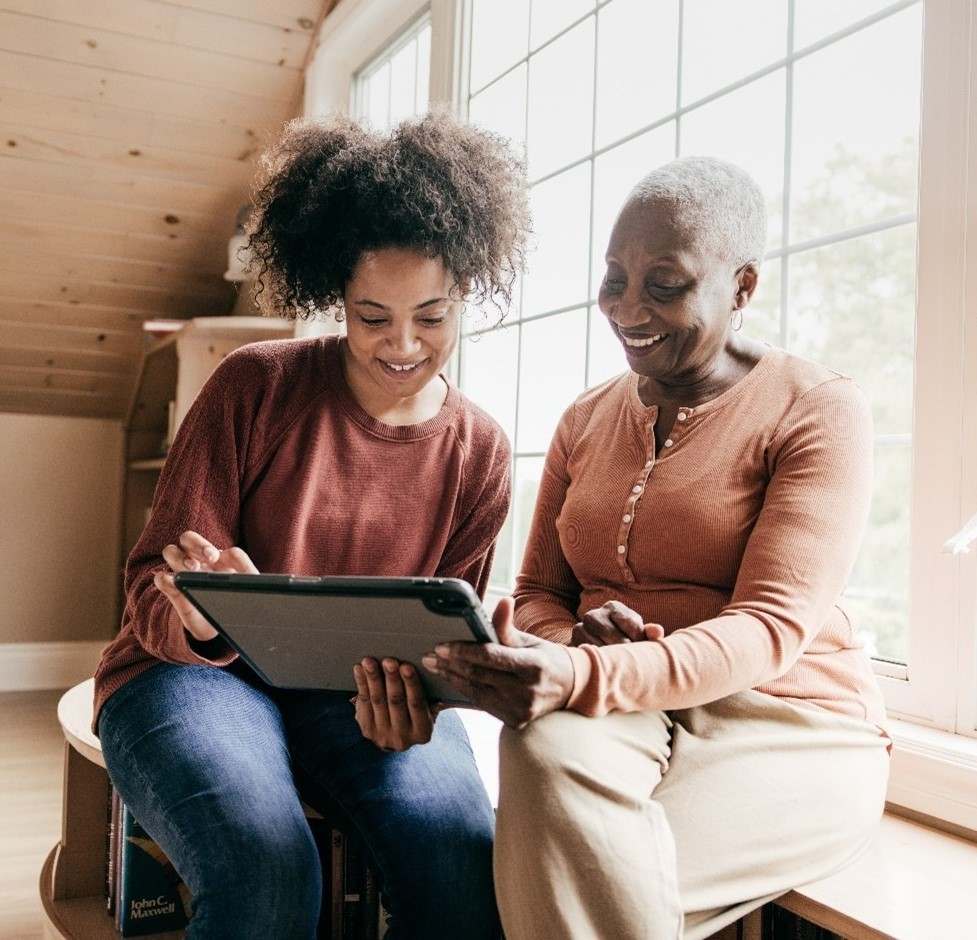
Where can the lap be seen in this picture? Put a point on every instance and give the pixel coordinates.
(209, 762)
(759, 795)
(199, 723)
(372, 792)
(765, 796)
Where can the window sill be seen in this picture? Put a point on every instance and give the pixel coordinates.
(934, 774)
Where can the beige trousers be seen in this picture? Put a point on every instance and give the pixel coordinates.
(655, 826)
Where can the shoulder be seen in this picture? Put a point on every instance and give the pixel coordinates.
(806, 396)
(294, 368)
(478, 432)
(602, 405)
(275, 357)
(791, 383)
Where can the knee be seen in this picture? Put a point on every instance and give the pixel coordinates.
(282, 849)
(542, 748)
(269, 877)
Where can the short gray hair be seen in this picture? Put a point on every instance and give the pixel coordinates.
(717, 204)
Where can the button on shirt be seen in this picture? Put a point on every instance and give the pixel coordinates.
(637, 490)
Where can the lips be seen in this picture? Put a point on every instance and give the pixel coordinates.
(642, 342)
(401, 368)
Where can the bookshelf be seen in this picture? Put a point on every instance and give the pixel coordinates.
(171, 373)
(72, 881)
(73, 877)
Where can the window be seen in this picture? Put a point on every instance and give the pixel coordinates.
(821, 102)
(858, 123)
(360, 38)
(394, 85)
(833, 143)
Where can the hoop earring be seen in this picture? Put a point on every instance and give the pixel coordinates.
(736, 318)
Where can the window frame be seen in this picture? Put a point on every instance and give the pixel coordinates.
(359, 82)
(933, 722)
(357, 31)
(943, 447)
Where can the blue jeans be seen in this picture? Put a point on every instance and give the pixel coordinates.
(212, 764)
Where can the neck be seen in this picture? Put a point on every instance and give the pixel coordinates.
(390, 409)
(414, 410)
(697, 387)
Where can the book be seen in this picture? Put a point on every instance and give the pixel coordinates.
(352, 908)
(322, 833)
(336, 883)
(112, 850)
(150, 897)
(781, 924)
(354, 893)
(371, 905)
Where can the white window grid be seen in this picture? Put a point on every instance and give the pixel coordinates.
(528, 461)
(393, 85)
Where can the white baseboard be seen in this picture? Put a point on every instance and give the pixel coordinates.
(26, 667)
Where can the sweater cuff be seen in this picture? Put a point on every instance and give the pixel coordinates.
(182, 647)
(213, 651)
(586, 696)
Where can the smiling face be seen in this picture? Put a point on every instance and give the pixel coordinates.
(669, 302)
(402, 320)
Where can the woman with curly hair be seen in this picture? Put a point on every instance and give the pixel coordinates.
(327, 455)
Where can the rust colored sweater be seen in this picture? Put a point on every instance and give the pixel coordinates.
(738, 538)
(276, 456)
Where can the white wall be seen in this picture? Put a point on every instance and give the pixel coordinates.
(60, 509)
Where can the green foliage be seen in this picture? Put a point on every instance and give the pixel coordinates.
(852, 308)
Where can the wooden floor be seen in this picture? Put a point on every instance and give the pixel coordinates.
(31, 751)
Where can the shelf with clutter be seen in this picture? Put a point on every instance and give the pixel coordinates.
(75, 881)
(174, 367)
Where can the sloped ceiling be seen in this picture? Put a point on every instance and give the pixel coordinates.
(129, 131)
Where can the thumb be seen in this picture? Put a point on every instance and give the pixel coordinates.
(653, 631)
(505, 629)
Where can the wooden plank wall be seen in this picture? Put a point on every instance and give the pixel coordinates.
(129, 132)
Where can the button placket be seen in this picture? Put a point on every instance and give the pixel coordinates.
(679, 429)
(627, 518)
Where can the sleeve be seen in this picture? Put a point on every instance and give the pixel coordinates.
(547, 593)
(795, 567)
(484, 505)
(199, 489)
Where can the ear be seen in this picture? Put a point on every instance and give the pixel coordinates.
(747, 279)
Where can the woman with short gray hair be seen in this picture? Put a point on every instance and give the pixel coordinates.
(692, 726)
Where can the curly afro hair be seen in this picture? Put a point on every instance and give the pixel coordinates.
(332, 189)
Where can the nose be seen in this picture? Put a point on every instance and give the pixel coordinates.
(626, 310)
(403, 339)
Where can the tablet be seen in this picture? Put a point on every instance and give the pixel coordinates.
(308, 632)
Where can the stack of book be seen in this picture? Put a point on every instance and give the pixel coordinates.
(780, 924)
(145, 895)
(351, 906)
